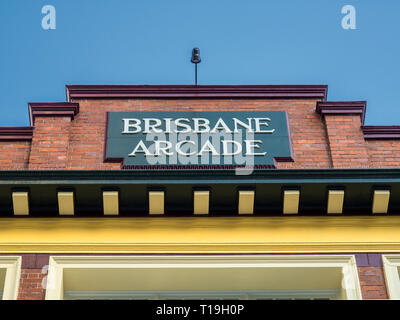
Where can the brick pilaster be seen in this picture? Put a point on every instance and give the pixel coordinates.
(346, 141)
(372, 283)
(50, 141)
(32, 282)
(30, 285)
(343, 121)
(371, 276)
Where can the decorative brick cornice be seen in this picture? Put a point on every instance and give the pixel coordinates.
(342, 107)
(381, 132)
(191, 91)
(52, 109)
(16, 133)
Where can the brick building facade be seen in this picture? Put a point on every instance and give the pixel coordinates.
(64, 152)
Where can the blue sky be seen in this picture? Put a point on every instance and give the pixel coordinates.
(241, 42)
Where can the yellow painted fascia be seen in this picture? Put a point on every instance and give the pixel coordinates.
(201, 235)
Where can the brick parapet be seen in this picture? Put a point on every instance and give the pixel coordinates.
(324, 134)
(307, 131)
(50, 143)
(348, 148)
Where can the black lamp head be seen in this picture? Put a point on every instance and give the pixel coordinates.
(196, 55)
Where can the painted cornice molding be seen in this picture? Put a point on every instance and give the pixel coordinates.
(342, 107)
(16, 133)
(381, 132)
(207, 235)
(52, 109)
(191, 91)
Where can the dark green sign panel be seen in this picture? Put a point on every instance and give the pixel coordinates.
(193, 140)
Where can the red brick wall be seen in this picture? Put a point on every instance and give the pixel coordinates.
(87, 130)
(14, 155)
(384, 153)
(50, 143)
(372, 282)
(333, 141)
(32, 274)
(30, 285)
(346, 141)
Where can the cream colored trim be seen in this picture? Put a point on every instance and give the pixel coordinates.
(246, 202)
(156, 202)
(110, 203)
(20, 203)
(201, 202)
(380, 202)
(11, 283)
(350, 283)
(335, 201)
(65, 203)
(291, 201)
(391, 265)
(54, 283)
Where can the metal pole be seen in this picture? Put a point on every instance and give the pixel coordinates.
(195, 74)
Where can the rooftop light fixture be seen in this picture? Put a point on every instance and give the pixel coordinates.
(195, 59)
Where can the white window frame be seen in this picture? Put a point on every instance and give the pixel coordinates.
(391, 265)
(350, 282)
(12, 264)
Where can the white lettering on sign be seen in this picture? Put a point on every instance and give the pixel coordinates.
(131, 123)
(221, 125)
(223, 147)
(195, 125)
(259, 124)
(201, 123)
(193, 140)
(163, 147)
(226, 151)
(253, 144)
(141, 148)
(247, 126)
(179, 150)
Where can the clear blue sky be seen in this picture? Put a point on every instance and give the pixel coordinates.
(241, 42)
